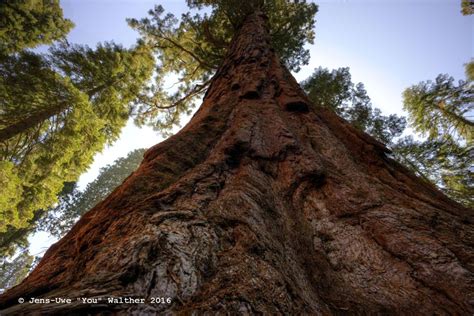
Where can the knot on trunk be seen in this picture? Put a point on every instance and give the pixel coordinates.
(235, 154)
(297, 106)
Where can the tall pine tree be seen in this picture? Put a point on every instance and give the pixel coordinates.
(57, 112)
(29, 23)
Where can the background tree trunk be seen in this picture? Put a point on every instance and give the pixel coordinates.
(263, 203)
(29, 122)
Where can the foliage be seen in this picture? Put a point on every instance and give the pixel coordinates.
(28, 23)
(15, 240)
(440, 109)
(291, 24)
(46, 155)
(445, 163)
(61, 218)
(368, 119)
(10, 184)
(441, 158)
(192, 48)
(14, 271)
(470, 71)
(467, 7)
(57, 112)
(331, 89)
(112, 77)
(335, 90)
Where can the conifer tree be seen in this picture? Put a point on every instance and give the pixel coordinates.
(57, 112)
(61, 218)
(194, 46)
(446, 163)
(15, 240)
(29, 23)
(14, 271)
(334, 90)
(441, 109)
(58, 220)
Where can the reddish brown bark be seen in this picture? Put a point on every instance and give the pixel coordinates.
(264, 203)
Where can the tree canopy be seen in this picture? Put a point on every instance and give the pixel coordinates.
(192, 47)
(441, 108)
(14, 271)
(335, 90)
(58, 220)
(28, 23)
(443, 158)
(15, 240)
(58, 110)
(467, 7)
(442, 111)
(71, 206)
(470, 71)
(446, 163)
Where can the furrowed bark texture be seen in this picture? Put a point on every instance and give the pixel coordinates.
(264, 203)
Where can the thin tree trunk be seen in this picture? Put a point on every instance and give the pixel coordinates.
(263, 203)
(29, 122)
(33, 120)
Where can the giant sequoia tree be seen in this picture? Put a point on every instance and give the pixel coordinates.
(263, 203)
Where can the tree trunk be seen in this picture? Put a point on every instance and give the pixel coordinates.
(263, 203)
(35, 119)
(29, 122)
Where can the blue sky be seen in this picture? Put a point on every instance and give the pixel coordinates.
(388, 45)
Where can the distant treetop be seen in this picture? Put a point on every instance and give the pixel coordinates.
(467, 7)
(29, 23)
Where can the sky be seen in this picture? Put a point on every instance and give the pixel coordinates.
(389, 45)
